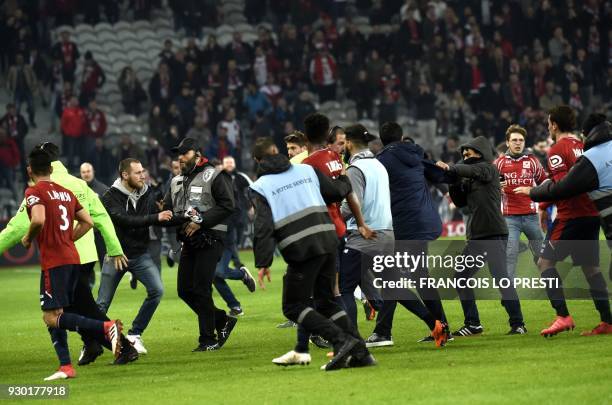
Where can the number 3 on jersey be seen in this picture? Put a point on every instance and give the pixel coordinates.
(65, 223)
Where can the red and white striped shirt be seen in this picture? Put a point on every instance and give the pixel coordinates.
(521, 171)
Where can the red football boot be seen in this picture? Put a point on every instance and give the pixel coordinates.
(560, 324)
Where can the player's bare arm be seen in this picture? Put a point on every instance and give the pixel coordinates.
(84, 224)
(36, 224)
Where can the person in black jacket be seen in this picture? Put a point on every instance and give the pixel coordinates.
(202, 200)
(131, 206)
(476, 185)
(291, 214)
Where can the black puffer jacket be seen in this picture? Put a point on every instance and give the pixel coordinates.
(131, 224)
(477, 186)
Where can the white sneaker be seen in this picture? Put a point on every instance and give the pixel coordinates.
(136, 340)
(63, 373)
(292, 358)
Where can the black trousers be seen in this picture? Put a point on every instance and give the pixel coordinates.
(429, 296)
(315, 278)
(495, 248)
(351, 276)
(84, 304)
(194, 285)
(100, 248)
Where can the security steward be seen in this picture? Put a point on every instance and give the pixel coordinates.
(201, 199)
(291, 213)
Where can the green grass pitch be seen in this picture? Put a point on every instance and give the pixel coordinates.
(490, 369)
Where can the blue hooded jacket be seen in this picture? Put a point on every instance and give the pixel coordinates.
(415, 216)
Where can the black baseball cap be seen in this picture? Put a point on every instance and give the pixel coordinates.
(358, 132)
(185, 146)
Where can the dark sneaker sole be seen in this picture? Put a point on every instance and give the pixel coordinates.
(368, 361)
(429, 339)
(126, 358)
(89, 360)
(341, 359)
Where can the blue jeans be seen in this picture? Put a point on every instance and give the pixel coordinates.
(517, 224)
(145, 271)
(224, 272)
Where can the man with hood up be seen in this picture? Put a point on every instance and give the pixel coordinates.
(476, 185)
(591, 174)
(131, 205)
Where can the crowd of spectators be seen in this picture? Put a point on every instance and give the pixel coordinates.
(455, 68)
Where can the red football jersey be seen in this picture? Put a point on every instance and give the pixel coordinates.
(561, 157)
(55, 239)
(329, 163)
(524, 170)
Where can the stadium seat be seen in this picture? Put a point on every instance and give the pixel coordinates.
(126, 35)
(361, 21)
(103, 27)
(110, 119)
(207, 31)
(133, 47)
(89, 36)
(224, 29)
(94, 47)
(146, 34)
(229, 7)
(141, 25)
(113, 48)
(106, 36)
(162, 23)
(249, 38)
(127, 118)
(348, 103)
(366, 30)
(385, 28)
(266, 25)
(83, 28)
(140, 59)
(117, 55)
(151, 44)
(165, 33)
(122, 26)
(112, 129)
(351, 114)
(235, 18)
(245, 27)
(63, 28)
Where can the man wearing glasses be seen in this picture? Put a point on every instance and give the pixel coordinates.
(518, 168)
